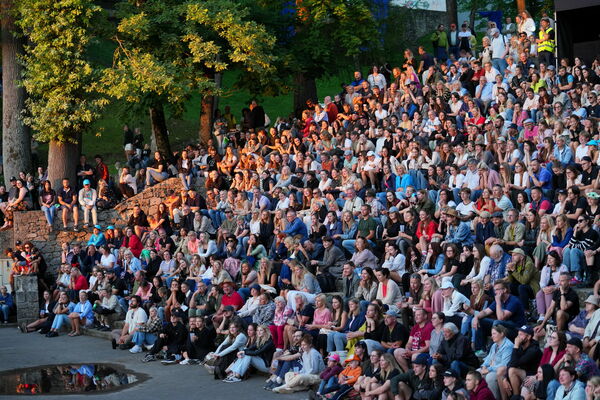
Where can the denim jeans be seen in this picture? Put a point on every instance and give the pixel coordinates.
(329, 385)
(283, 367)
(186, 180)
(574, 259)
(499, 64)
(336, 341)
(459, 367)
(241, 365)
(485, 328)
(153, 177)
(373, 345)
(141, 338)
(59, 320)
(49, 213)
(5, 310)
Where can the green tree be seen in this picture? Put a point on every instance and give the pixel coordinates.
(169, 50)
(315, 37)
(58, 78)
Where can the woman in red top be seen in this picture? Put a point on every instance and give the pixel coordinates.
(132, 242)
(485, 202)
(553, 354)
(425, 230)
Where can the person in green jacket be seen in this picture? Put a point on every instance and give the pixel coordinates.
(523, 277)
(439, 39)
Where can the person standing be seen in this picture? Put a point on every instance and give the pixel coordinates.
(499, 50)
(439, 39)
(453, 41)
(546, 43)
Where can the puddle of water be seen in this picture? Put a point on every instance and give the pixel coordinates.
(65, 379)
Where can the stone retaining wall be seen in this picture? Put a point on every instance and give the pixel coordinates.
(26, 299)
(32, 226)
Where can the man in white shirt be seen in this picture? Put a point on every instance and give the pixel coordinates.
(472, 179)
(502, 201)
(499, 50)
(136, 317)
(454, 302)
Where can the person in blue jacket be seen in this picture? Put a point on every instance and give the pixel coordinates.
(82, 314)
(6, 303)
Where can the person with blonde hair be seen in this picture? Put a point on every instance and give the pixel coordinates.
(382, 387)
(303, 282)
(257, 355)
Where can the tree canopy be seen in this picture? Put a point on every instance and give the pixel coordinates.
(57, 76)
(168, 50)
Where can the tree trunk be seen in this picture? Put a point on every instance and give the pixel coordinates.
(521, 5)
(206, 119)
(159, 130)
(16, 136)
(452, 12)
(305, 88)
(62, 159)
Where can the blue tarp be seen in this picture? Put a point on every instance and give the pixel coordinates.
(495, 16)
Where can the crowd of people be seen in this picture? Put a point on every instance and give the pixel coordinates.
(449, 207)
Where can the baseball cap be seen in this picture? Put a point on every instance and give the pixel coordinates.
(586, 158)
(575, 342)
(370, 153)
(527, 329)
(392, 313)
(97, 226)
(518, 251)
(229, 308)
(485, 214)
(110, 227)
(12, 179)
(86, 182)
(354, 357)
(497, 214)
(561, 191)
(593, 195)
(528, 121)
(593, 143)
(422, 359)
(334, 356)
(447, 285)
(451, 373)
(593, 300)
(348, 153)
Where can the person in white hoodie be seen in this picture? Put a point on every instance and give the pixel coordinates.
(312, 365)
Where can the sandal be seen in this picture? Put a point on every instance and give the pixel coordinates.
(76, 334)
(71, 333)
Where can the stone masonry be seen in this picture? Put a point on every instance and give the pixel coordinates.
(26, 299)
(32, 226)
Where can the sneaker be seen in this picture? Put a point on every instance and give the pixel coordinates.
(149, 357)
(75, 229)
(135, 349)
(162, 355)
(480, 354)
(148, 347)
(575, 281)
(540, 318)
(169, 360)
(185, 362)
(233, 379)
(114, 344)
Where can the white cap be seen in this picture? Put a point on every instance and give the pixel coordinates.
(447, 285)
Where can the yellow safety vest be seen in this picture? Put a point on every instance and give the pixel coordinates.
(546, 45)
